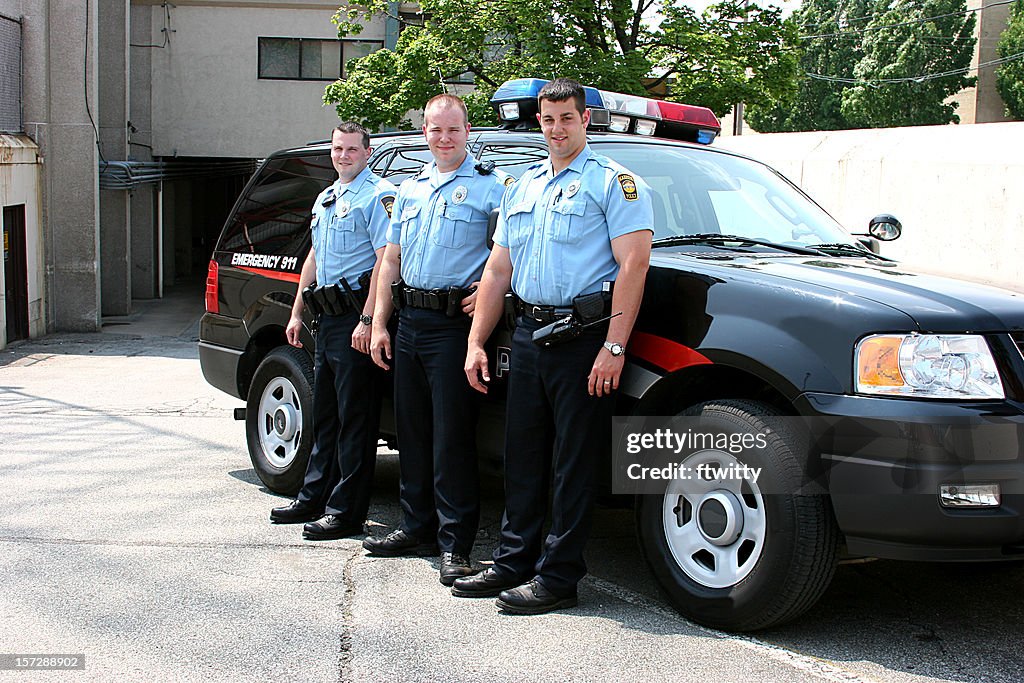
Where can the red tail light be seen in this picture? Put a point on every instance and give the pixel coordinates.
(212, 305)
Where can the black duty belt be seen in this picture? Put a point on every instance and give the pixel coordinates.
(430, 299)
(545, 314)
(332, 300)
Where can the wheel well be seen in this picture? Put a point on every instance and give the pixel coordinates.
(690, 386)
(260, 344)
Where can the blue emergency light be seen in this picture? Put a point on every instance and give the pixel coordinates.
(516, 104)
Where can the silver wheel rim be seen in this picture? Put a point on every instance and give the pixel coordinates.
(715, 529)
(280, 422)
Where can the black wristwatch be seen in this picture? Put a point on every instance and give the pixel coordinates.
(365, 319)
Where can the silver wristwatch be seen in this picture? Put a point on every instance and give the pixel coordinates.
(614, 348)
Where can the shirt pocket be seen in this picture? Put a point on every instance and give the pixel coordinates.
(410, 222)
(452, 230)
(519, 224)
(341, 235)
(567, 221)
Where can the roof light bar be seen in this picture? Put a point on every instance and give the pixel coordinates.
(516, 104)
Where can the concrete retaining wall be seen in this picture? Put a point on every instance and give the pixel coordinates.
(958, 190)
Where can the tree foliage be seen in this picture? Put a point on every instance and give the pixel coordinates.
(893, 63)
(735, 51)
(1010, 75)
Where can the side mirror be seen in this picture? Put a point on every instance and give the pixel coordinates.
(871, 243)
(885, 227)
(492, 225)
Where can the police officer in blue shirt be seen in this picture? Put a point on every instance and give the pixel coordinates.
(349, 226)
(437, 242)
(568, 226)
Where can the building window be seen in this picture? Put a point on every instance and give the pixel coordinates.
(10, 76)
(310, 59)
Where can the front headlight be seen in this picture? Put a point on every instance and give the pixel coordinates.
(927, 366)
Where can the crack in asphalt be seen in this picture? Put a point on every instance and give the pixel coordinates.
(345, 636)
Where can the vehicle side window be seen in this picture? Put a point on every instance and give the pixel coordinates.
(513, 159)
(273, 217)
(402, 163)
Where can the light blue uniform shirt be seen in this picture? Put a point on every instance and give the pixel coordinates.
(442, 226)
(558, 228)
(349, 226)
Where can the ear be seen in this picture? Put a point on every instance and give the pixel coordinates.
(586, 117)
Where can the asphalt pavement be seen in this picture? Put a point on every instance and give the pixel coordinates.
(134, 532)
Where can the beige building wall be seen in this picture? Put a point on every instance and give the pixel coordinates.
(207, 99)
(20, 173)
(982, 102)
(954, 188)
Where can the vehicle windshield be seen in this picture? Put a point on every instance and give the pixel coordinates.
(700, 192)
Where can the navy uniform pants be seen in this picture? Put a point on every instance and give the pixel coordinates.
(554, 437)
(435, 415)
(347, 390)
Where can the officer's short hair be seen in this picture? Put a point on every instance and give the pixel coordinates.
(353, 127)
(560, 90)
(446, 101)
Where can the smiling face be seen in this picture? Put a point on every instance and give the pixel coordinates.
(447, 133)
(348, 155)
(565, 129)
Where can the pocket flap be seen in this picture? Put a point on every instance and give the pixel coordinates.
(570, 207)
(458, 212)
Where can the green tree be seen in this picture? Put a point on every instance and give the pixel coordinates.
(876, 64)
(734, 51)
(831, 47)
(900, 74)
(1010, 76)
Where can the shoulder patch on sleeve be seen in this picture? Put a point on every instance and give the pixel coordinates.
(628, 186)
(387, 201)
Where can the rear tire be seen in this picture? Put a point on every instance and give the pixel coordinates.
(780, 553)
(279, 419)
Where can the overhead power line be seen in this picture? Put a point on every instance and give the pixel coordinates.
(912, 22)
(915, 79)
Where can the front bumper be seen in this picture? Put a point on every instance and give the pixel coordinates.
(884, 463)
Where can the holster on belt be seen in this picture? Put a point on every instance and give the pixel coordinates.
(396, 294)
(311, 302)
(455, 297)
(590, 307)
(513, 306)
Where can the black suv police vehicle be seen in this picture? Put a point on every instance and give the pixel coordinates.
(757, 305)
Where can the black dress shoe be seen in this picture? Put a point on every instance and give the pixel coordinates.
(454, 566)
(295, 512)
(486, 584)
(331, 526)
(532, 598)
(400, 544)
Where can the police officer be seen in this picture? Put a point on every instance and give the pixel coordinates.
(437, 242)
(349, 227)
(569, 225)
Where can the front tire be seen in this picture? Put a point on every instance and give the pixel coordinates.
(741, 556)
(279, 419)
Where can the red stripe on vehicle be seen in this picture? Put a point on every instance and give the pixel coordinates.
(664, 353)
(273, 274)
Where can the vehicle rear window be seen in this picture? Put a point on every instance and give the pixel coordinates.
(273, 217)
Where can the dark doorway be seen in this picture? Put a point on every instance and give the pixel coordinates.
(15, 272)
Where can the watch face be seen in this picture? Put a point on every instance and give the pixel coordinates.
(365, 319)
